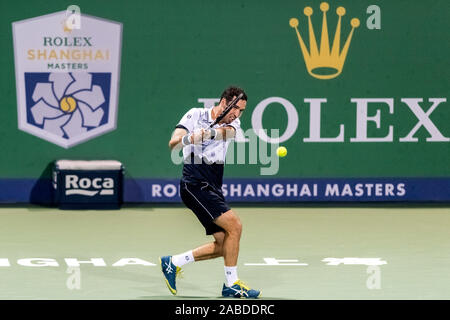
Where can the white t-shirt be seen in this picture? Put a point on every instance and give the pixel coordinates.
(211, 150)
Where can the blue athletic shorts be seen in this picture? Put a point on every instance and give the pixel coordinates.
(206, 202)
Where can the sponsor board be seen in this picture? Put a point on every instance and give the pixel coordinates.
(67, 78)
(254, 190)
(96, 189)
(301, 190)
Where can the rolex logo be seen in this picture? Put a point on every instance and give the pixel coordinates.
(323, 63)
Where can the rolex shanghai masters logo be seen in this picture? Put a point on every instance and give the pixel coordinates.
(324, 62)
(67, 78)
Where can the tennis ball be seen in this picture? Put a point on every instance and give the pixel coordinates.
(281, 152)
(67, 104)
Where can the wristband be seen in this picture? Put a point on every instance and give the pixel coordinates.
(186, 140)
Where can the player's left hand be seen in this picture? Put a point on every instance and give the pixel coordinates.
(198, 136)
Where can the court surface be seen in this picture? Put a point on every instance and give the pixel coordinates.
(412, 246)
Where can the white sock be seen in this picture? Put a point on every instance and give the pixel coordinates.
(183, 258)
(231, 275)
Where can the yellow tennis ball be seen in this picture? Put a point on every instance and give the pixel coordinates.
(67, 104)
(281, 152)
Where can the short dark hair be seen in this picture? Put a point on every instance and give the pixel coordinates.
(231, 92)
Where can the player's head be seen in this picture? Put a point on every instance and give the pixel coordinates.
(232, 91)
(227, 96)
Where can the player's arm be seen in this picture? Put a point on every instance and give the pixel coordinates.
(176, 139)
(181, 137)
(224, 133)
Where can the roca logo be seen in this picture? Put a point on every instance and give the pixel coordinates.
(75, 185)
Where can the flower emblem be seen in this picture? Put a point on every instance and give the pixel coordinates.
(68, 104)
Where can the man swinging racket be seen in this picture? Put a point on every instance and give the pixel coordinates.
(204, 135)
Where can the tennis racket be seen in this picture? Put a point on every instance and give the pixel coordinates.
(227, 109)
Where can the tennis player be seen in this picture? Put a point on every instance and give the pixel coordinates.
(204, 152)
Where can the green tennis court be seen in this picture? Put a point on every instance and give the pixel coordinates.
(125, 245)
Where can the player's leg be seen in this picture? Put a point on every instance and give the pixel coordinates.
(205, 252)
(210, 250)
(234, 287)
(231, 223)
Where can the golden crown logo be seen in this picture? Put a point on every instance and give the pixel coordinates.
(319, 62)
